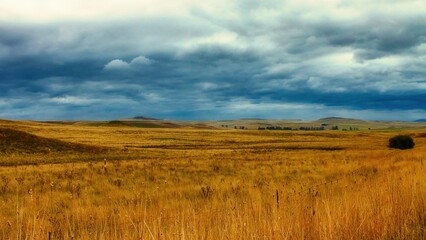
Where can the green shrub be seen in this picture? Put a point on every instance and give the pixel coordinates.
(401, 142)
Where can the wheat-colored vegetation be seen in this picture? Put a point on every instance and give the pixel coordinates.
(97, 182)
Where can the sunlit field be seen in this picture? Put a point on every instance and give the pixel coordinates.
(62, 181)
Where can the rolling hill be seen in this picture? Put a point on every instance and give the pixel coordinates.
(15, 141)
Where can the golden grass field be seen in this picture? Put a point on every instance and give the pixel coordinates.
(208, 184)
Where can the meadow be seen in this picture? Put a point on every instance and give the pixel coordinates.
(69, 181)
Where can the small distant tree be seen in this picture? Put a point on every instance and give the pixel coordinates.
(401, 142)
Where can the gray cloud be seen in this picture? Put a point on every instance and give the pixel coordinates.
(268, 59)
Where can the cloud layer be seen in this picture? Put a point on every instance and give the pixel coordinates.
(213, 60)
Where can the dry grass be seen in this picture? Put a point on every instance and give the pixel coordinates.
(212, 184)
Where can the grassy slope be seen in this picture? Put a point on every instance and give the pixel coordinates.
(251, 124)
(18, 142)
(213, 184)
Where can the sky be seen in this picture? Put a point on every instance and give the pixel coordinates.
(212, 59)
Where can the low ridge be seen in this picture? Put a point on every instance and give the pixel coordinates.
(145, 118)
(15, 141)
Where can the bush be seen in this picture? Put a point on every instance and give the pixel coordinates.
(401, 142)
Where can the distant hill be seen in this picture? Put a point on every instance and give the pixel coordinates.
(252, 119)
(145, 118)
(143, 123)
(339, 120)
(328, 123)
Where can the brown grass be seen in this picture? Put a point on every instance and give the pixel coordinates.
(212, 184)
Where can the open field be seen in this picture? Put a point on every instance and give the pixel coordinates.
(252, 124)
(88, 181)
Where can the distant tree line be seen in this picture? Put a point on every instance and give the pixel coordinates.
(277, 128)
(351, 129)
(311, 128)
(290, 128)
(235, 127)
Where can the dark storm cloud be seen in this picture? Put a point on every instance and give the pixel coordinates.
(376, 37)
(269, 59)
